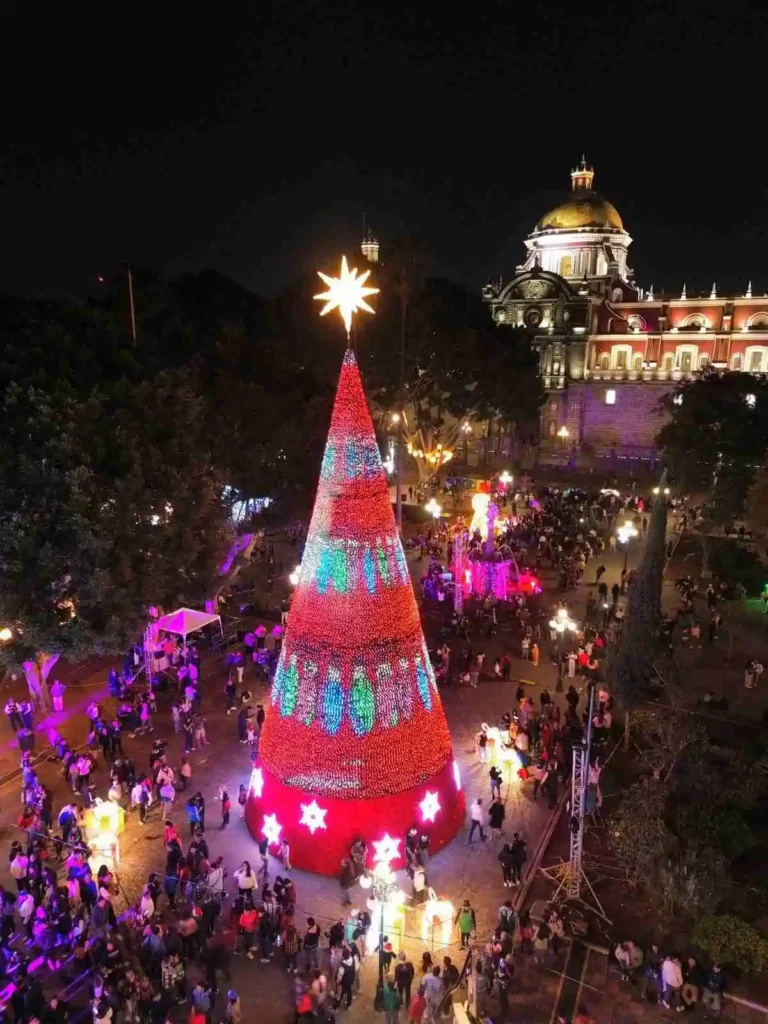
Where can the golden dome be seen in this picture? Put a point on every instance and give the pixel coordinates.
(582, 209)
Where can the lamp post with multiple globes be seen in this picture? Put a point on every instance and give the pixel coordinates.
(434, 508)
(625, 534)
(382, 882)
(562, 623)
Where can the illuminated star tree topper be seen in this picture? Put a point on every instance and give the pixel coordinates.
(347, 293)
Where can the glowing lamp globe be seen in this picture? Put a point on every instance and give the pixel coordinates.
(355, 744)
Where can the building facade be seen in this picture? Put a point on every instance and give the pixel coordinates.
(608, 350)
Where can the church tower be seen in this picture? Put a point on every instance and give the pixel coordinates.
(583, 237)
(582, 176)
(370, 246)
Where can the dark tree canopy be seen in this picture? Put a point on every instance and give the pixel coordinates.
(629, 663)
(717, 437)
(115, 454)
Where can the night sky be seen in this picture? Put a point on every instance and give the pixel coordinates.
(254, 139)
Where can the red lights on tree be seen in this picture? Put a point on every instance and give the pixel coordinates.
(355, 728)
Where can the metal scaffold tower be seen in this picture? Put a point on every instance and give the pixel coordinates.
(578, 799)
(570, 875)
(148, 655)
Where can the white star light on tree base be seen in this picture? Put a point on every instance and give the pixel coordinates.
(387, 849)
(313, 816)
(272, 828)
(430, 805)
(346, 293)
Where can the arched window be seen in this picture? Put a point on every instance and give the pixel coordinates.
(703, 361)
(635, 323)
(668, 361)
(737, 362)
(617, 295)
(758, 322)
(637, 361)
(605, 361)
(552, 428)
(566, 266)
(694, 322)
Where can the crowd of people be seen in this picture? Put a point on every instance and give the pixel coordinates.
(151, 956)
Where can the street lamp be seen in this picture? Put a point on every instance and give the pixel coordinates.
(466, 429)
(562, 623)
(505, 478)
(434, 509)
(382, 882)
(295, 576)
(625, 534)
(657, 490)
(563, 433)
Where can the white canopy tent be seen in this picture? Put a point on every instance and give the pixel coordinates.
(185, 621)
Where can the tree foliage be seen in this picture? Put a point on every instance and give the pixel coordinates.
(756, 507)
(730, 940)
(716, 436)
(458, 364)
(114, 455)
(639, 835)
(629, 663)
(103, 513)
(661, 735)
(723, 828)
(109, 498)
(677, 830)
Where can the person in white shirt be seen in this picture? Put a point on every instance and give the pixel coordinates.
(146, 907)
(245, 877)
(476, 817)
(18, 869)
(672, 982)
(26, 909)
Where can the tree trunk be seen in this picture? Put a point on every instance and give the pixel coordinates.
(626, 730)
(705, 570)
(37, 673)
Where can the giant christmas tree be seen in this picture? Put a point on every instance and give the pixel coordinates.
(355, 744)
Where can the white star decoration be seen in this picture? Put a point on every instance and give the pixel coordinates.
(387, 849)
(257, 782)
(429, 806)
(313, 816)
(271, 828)
(346, 293)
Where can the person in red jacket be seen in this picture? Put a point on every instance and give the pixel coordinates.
(249, 922)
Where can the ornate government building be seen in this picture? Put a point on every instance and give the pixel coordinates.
(609, 350)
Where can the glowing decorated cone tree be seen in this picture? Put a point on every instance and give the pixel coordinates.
(355, 743)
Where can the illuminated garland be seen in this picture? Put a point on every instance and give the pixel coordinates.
(355, 709)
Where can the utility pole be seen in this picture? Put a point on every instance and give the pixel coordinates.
(401, 399)
(130, 302)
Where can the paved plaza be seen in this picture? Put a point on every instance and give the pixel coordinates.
(458, 872)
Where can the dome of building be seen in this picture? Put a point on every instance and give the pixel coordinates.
(582, 209)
